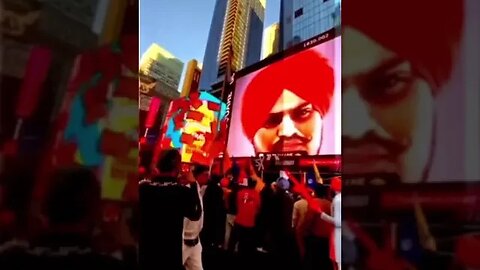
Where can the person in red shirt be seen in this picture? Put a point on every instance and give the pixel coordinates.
(248, 205)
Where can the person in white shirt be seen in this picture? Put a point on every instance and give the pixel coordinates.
(192, 248)
(336, 220)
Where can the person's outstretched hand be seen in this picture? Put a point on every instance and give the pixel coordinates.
(303, 191)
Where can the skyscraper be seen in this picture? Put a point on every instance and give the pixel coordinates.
(160, 71)
(301, 20)
(236, 34)
(271, 40)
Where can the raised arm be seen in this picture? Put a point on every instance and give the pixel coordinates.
(327, 218)
(260, 184)
(191, 200)
(336, 220)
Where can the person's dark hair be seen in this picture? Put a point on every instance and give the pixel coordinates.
(235, 171)
(215, 179)
(168, 161)
(270, 176)
(73, 196)
(199, 169)
(321, 191)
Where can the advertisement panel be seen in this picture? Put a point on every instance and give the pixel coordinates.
(192, 127)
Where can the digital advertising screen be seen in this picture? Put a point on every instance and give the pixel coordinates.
(290, 106)
(192, 127)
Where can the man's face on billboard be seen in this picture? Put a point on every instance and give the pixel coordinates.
(293, 124)
(388, 111)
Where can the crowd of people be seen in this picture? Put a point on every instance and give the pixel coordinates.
(191, 219)
(187, 218)
(64, 230)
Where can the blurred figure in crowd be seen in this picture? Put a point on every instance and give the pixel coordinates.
(164, 203)
(213, 233)
(315, 233)
(336, 220)
(192, 247)
(300, 208)
(284, 250)
(230, 193)
(214, 214)
(71, 210)
(248, 206)
(264, 219)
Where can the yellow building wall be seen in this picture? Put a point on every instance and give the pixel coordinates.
(187, 81)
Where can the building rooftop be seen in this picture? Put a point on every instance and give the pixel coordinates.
(264, 3)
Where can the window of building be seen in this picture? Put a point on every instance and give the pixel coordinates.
(298, 12)
(325, 1)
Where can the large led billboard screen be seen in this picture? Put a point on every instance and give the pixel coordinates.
(290, 105)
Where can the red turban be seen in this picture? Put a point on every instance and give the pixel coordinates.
(336, 184)
(426, 33)
(307, 74)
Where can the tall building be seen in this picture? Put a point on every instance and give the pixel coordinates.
(271, 40)
(301, 20)
(165, 68)
(192, 77)
(236, 34)
(162, 70)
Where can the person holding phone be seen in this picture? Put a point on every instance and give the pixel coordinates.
(164, 203)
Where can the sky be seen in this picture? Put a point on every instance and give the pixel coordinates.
(182, 26)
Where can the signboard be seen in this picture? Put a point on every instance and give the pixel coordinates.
(192, 127)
